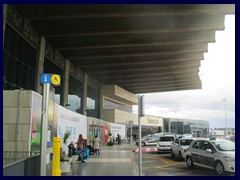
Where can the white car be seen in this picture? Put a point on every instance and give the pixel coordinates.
(164, 143)
(213, 154)
(149, 140)
(179, 147)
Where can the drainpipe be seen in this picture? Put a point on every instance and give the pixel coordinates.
(17, 122)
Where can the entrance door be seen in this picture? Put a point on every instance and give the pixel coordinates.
(97, 130)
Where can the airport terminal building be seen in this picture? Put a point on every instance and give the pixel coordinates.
(105, 55)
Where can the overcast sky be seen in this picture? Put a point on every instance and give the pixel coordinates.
(217, 73)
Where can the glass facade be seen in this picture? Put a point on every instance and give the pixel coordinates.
(52, 68)
(198, 128)
(19, 62)
(74, 94)
(19, 71)
(93, 102)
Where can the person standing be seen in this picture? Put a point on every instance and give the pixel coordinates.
(80, 142)
(118, 139)
(96, 145)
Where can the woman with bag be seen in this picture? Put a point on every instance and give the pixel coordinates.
(80, 142)
(96, 145)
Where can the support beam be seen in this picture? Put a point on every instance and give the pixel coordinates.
(84, 94)
(4, 19)
(65, 83)
(40, 64)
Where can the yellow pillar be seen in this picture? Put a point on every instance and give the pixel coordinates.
(56, 171)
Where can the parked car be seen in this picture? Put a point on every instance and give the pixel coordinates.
(179, 136)
(231, 138)
(179, 147)
(212, 154)
(165, 142)
(149, 140)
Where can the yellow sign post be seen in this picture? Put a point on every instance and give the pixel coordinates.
(56, 171)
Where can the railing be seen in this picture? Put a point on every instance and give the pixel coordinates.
(13, 156)
(24, 167)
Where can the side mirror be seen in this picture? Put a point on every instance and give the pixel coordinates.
(209, 150)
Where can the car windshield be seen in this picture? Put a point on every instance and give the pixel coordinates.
(224, 145)
(166, 139)
(185, 142)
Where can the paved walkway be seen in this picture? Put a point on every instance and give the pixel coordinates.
(114, 160)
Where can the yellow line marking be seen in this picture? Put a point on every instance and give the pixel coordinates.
(148, 161)
(167, 165)
(167, 161)
(150, 157)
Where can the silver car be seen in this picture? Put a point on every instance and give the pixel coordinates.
(164, 142)
(179, 147)
(213, 154)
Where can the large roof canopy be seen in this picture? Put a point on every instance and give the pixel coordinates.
(141, 47)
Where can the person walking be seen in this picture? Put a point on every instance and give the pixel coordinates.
(96, 145)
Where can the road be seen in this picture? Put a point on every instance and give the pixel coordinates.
(154, 164)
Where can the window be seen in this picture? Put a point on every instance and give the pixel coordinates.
(74, 94)
(185, 142)
(224, 145)
(197, 145)
(19, 62)
(207, 145)
(93, 103)
(176, 141)
(166, 138)
(51, 68)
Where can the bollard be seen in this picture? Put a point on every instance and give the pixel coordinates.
(56, 171)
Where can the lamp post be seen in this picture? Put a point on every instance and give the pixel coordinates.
(224, 100)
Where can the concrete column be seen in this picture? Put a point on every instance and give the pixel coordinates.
(40, 64)
(65, 85)
(101, 102)
(4, 19)
(84, 94)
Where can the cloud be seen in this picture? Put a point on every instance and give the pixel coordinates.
(217, 73)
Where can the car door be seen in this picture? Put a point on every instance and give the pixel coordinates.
(207, 158)
(149, 140)
(174, 146)
(196, 151)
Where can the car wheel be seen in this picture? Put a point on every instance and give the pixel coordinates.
(180, 156)
(172, 155)
(189, 162)
(219, 168)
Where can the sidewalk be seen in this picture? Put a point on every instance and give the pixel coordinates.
(114, 160)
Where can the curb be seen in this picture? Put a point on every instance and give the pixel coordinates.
(150, 149)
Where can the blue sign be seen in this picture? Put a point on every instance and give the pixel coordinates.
(45, 78)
